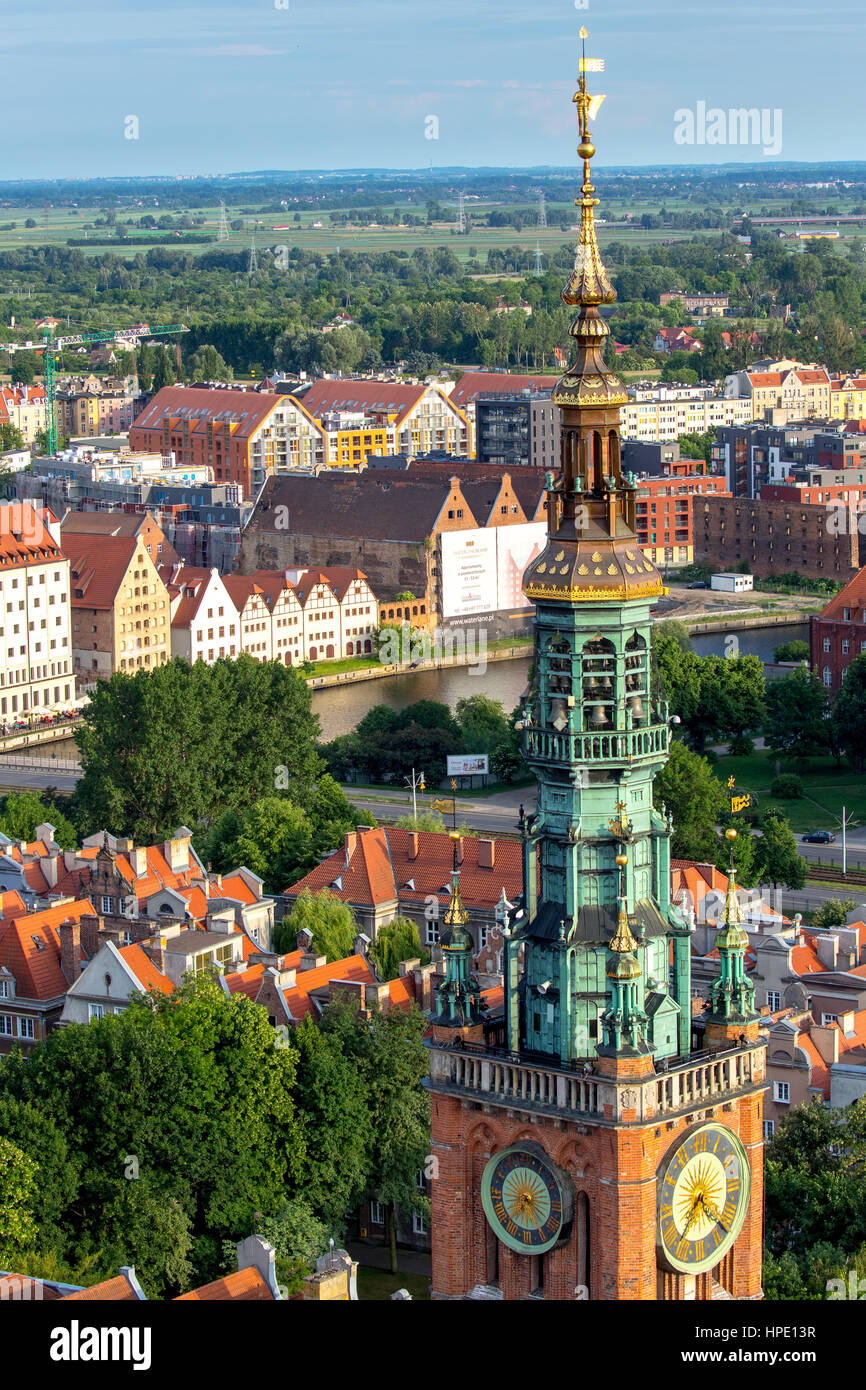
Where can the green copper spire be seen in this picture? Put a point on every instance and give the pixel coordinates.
(459, 993)
(732, 995)
(624, 1021)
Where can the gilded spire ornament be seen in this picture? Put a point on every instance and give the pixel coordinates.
(589, 283)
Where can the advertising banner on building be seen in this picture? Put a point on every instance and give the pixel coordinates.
(516, 546)
(468, 573)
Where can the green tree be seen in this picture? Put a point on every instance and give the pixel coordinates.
(332, 1103)
(206, 364)
(144, 1215)
(390, 1055)
(331, 922)
(21, 812)
(814, 1189)
(833, 912)
(181, 744)
(779, 860)
(483, 724)
(273, 838)
(796, 719)
(163, 368)
(792, 651)
(23, 370)
(298, 1238)
(695, 799)
(18, 1197)
(10, 437)
(30, 1127)
(849, 714)
(396, 941)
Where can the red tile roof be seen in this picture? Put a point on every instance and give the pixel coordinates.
(144, 970)
(379, 870)
(471, 385)
(373, 397)
(237, 414)
(36, 965)
(246, 1285)
(298, 1001)
(24, 536)
(116, 1290)
(98, 567)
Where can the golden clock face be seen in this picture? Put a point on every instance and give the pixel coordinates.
(703, 1199)
(526, 1199)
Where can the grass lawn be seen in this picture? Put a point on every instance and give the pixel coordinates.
(349, 663)
(826, 789)
(376, 1285)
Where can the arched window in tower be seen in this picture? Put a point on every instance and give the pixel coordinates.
(581, 1222)
(557, 662)
(597, 462)
(613, 453)
(598, 680)
(636, 680)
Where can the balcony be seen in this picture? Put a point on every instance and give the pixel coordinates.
(701, 1081)
(542, 746)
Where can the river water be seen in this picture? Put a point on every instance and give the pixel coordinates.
(341, 707)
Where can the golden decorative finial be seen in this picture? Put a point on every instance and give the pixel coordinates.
(589, 283)
(623, 941)
(731, 783)
(455, 913)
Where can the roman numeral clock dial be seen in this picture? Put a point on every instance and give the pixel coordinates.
(527, 1200)
(703, 1199)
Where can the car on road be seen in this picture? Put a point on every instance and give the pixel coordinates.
(819, 837)
(699, 584)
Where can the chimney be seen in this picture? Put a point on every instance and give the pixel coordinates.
(283, 979)
(827, 946)
(91, 927)
(50, 867)
(138, 861)
(310, 961)
(45, 833)
(154, 948)
(351, 842)
(486, 853)
(361, 944)
(413, 844)
(176, 850)
(70, 950)
(827, 1042)
(304, 939)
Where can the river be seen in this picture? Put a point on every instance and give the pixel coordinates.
(341, 707)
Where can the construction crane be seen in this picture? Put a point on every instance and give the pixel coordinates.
(50, 346)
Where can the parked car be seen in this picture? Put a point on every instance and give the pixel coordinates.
(699, 584)
(819, 837)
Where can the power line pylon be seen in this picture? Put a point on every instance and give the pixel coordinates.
(461, 213)
(542, 210)
(223, 233)
(253, 267)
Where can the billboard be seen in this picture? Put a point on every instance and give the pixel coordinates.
(467, 766)
(468, 572)
(482, 570)
(516, 546)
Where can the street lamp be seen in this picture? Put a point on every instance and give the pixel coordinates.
(415, 784)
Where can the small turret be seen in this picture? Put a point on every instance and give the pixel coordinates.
(732, 996)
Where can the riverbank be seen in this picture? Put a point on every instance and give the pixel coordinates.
(477, 659)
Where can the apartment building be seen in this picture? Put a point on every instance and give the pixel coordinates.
(795, 391)
(244, 436)
(26, 407)
(661, 414)
(696, 303)
(91, 408)
(121, 614)
(664, 514)
(838, 633)
(423, 418)
(517, 430)
(353, 437)
(205, 624)
(36, 655)
(253, 615)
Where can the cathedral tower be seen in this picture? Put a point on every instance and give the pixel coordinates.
(596, 1155)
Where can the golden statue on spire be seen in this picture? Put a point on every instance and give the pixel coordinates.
(589, 283)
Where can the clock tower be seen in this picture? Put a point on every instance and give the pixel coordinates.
(584, 1149)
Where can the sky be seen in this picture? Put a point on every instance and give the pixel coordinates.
(226, 86)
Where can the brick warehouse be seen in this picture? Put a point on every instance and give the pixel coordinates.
(773, 537)
(588, 1146)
